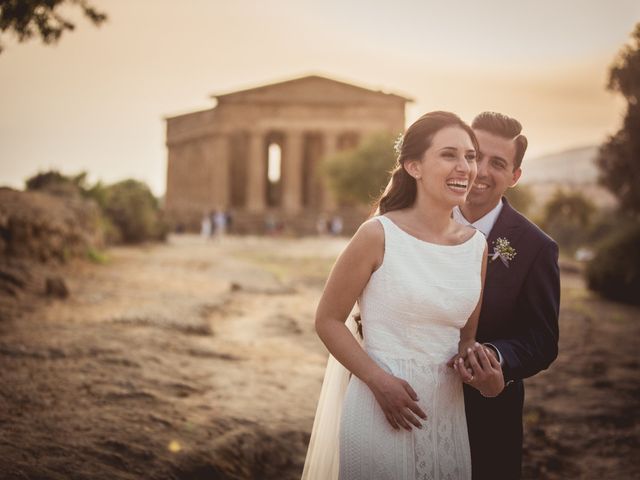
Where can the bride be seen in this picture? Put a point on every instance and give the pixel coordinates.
(391, 408)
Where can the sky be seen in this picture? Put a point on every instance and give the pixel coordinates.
(97, 100)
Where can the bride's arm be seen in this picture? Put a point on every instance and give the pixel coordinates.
(481, 370)
(350, 274)
(468, 332)
(348, 277)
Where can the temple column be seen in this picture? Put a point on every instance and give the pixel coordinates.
(220, 181)
(292, 171)
(329, 148)
(256, 173)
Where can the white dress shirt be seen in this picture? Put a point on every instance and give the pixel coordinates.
(484, 224)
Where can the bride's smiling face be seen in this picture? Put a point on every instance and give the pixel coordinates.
(447, 169)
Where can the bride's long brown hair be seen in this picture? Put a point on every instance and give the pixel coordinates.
(401, 190)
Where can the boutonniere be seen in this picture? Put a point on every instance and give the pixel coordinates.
(503, 250)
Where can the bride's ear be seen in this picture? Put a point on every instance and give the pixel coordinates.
(413, 168)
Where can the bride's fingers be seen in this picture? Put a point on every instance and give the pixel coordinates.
(401, 421)
(412, 418)
(412, 393)
(391, 420)
(415, 408)
(452, 362)
(464, 373)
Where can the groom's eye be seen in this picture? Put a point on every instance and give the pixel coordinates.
(498, 164)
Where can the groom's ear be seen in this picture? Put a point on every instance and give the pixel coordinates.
(516, 177)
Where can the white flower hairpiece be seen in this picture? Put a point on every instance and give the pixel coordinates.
(397, 146)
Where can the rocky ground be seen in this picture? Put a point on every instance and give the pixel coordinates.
(197, 359)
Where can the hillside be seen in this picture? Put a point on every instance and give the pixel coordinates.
(572, 169)
(575, 166)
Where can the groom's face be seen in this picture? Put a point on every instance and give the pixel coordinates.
(496, 172)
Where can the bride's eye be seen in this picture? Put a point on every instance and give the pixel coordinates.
(470, 157)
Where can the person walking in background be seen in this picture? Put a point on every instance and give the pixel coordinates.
(205, 226)
(336, 224)
(220, 223)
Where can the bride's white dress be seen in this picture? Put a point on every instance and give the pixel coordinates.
(412, 310)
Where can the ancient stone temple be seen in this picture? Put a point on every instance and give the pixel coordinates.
(257, 153)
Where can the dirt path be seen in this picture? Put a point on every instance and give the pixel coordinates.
(197, 360)
(176, 361)
(582, 417)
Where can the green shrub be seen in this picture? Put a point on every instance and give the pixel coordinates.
(614, 272)
(55, 183)
(129, 212)
(131, 207)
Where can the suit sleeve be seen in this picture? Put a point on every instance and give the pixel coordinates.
(535, 347)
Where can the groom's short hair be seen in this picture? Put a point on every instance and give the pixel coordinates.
(505, 127)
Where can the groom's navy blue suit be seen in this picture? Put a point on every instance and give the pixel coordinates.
(519, 317)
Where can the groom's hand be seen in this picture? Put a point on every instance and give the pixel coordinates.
(484, 372)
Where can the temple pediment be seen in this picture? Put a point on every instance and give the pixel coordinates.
(312, 89)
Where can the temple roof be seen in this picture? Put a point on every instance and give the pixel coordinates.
(308, 89)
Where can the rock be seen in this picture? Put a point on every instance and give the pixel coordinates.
(13, 279)
(56, 287)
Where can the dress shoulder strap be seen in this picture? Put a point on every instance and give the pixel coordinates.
(479, 242)
(387, 225)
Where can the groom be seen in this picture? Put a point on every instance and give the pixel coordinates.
(519, 318)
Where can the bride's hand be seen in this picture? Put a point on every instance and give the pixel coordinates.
(461, 359)
(464, 347)
(484, 372)
(397, 400)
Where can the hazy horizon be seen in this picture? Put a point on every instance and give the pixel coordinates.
(97, 100)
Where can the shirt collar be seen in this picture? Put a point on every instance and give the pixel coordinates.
(484, 224)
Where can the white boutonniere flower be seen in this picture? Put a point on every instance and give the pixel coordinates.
(503, 250)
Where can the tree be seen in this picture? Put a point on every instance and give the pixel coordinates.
(42, 18)
(521, 197)
(615, 270)
(619, 157)
(567, 218)
(569, 207)
(358, 176)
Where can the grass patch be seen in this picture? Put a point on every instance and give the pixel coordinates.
(97, 256)
(307, 270)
